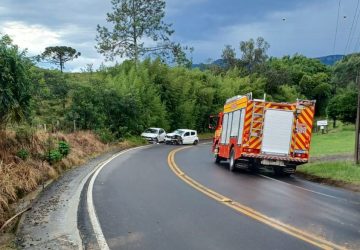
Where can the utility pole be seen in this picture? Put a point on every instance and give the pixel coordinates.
(357, 128)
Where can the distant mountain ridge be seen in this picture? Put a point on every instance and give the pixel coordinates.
(330, 60)
(327, 60)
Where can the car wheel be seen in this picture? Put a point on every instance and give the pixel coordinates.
(232, 160)
(156, 141)
(196, 142)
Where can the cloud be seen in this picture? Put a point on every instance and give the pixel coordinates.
(308, 30)
(37, 24)
(33, 37)
(204, 24)
(177, 7)
(3, 10)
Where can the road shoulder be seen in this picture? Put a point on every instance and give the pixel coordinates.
(52, 222)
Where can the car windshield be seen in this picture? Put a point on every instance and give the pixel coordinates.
(151, 131)
(178, 132)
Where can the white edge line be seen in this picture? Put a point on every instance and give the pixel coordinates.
(90, 203)
(305, 189)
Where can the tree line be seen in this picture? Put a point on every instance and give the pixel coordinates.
(127, 98)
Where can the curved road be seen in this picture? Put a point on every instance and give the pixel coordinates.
(141, 203)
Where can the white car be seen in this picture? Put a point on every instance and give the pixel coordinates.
(182, 136)
(154, 135)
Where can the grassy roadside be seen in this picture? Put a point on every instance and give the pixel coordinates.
(337, 173)
(326, 149)
(339, 141)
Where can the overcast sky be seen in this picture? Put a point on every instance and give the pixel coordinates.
(207, 25)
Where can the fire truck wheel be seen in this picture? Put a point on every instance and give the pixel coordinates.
(232, 160)
(217, 159)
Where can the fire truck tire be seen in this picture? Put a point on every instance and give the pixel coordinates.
(232, 160)
(217, 159)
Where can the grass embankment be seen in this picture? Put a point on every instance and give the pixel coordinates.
(342, 172)
(25, 162)
(337, 142)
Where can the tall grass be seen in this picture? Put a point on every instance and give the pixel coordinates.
(20, 176)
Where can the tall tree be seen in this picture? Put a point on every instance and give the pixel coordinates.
(229, 56)
(59, 55)
(15, 86)
(343, 106)
(133, 23)
(254, 53)
(180, 56)
(346, 70)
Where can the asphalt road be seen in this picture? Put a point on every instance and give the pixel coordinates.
(141, 204)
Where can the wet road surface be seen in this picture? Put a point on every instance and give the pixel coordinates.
(141, 204)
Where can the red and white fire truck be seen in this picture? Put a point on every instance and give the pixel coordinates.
(256, 133)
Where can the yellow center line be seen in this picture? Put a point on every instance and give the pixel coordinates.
(252, 213)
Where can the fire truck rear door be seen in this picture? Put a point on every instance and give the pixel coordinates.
(277, 132)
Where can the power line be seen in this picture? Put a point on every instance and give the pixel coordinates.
(357, 43)
(356, 17)
(337, 26)
(355, 31)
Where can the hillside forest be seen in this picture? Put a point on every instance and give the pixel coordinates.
(125, 99)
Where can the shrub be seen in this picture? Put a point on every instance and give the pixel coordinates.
(64, 148)
(136, 140)
(49, 143)
(24, 134)
(23, 154)
(105, 135)
(54, 156)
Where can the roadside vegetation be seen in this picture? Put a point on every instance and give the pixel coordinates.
(206, 136)
(30, 158)
(338, 141)
(338, 172)
(331, 153)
